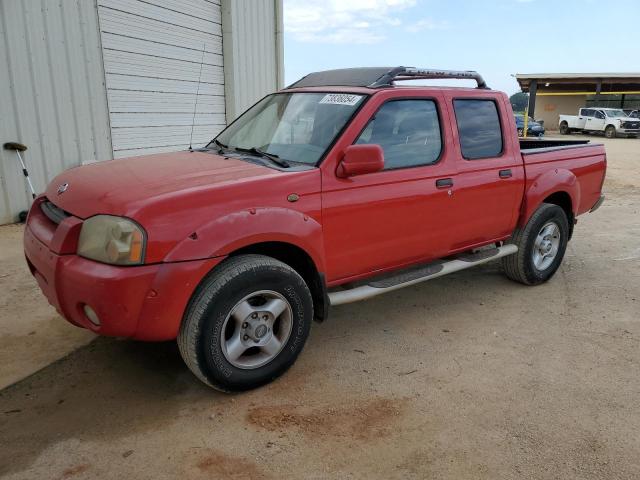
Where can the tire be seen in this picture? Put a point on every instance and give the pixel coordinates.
(610, 132)
(219, 323)
(524, 266)
(564, 128)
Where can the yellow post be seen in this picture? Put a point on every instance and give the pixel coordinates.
(526, 121)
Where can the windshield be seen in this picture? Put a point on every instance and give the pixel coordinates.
(297, 127)
(615, 113)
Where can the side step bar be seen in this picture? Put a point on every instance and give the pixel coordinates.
(413, 276)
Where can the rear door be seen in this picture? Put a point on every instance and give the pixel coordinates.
(581, 120)
(490, 180)
(588, 115)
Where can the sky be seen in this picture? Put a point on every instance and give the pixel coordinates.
(498, 38)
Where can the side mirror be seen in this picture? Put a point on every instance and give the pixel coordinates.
(361, 159)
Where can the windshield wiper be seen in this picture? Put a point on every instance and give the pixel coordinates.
(221, 146)
(271, 156)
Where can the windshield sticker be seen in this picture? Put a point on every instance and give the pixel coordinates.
(341, 99)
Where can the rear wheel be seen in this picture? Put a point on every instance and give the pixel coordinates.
(541, 243)
(246, 324)
(610, 132)
(564, 128)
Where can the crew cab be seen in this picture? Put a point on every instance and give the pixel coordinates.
(341, 187)
(614, 122)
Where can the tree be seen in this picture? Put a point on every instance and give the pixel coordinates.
(519, 101)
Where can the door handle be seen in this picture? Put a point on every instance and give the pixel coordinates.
(505, 173)
(444, 183)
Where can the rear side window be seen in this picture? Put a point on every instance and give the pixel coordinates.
(478, 128)
(408, 131)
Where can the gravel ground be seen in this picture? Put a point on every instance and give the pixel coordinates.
(469, 376)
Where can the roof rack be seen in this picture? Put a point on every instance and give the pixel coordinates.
(412, 73)
(379, 77)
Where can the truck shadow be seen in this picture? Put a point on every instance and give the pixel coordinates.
(115, 388)
(106, 390)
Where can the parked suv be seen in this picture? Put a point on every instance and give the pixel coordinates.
(534, 129)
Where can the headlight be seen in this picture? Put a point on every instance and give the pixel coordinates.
(114, 240)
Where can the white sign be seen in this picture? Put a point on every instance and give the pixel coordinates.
(341, 99)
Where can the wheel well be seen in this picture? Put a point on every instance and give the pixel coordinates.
(302, 263)
(563, 200)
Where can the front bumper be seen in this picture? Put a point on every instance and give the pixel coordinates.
(144, 302)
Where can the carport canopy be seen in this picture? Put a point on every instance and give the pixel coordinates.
(598, 84)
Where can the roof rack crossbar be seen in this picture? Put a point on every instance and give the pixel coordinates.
(411, 73)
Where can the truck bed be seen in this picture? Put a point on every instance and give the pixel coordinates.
(542, 145)
(574, 166)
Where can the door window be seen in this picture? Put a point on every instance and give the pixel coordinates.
(478, 128)
(599, 115)
(408, 131)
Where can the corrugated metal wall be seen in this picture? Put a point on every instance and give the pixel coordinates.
(60, 61)
(253, 51)
(152, 55)
(53, 93)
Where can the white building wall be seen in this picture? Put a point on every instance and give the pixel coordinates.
(253, 51)
(90, 80)
(153, 50)
(53, 94)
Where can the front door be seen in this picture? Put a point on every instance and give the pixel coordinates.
(597, 122)
(396, 216)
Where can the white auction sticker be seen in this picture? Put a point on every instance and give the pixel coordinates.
(341, 99)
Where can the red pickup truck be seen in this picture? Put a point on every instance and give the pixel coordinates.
(343, 186)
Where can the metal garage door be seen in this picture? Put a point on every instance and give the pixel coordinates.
(152, 53)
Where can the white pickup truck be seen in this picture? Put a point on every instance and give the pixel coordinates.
(614, 122)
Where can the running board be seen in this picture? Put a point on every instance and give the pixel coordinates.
(418, 275)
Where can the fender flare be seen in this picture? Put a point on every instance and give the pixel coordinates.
(558, 180)
(240, 229)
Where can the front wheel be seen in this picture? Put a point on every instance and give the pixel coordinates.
(610, 132)
(541, 243)
(246, 324)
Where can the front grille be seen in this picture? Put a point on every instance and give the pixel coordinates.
(628, 124)
(53, 213)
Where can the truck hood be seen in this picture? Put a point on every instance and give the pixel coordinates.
(117, 187)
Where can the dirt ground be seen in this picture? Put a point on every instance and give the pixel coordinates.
(32, 335)
(468, 376)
